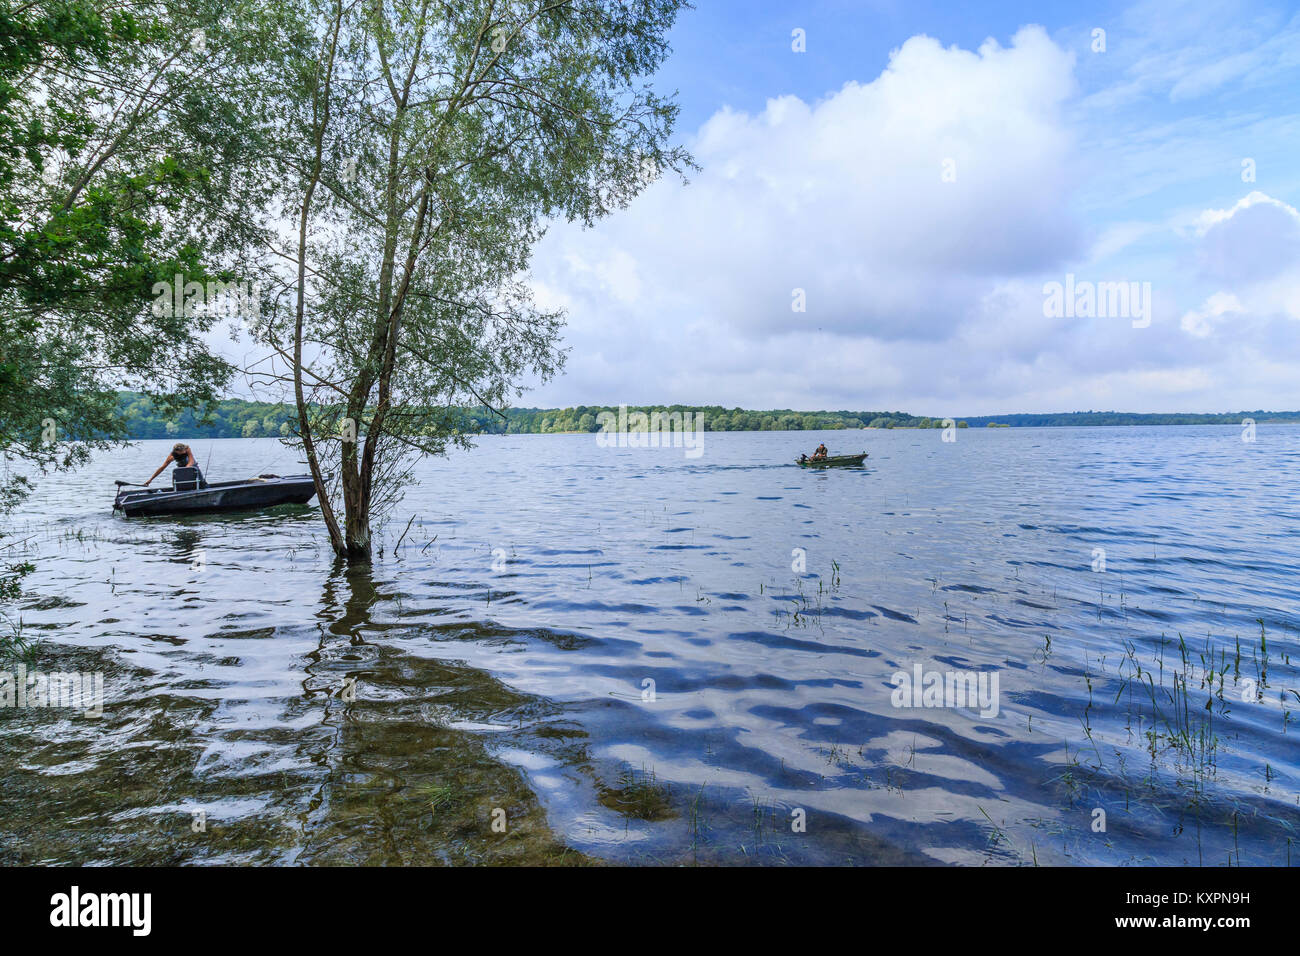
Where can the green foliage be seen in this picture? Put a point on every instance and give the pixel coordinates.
(585, 418)
(231, 418)
(129, 153)
(429, 145)
(228, 418)
(10, 577)
(234, 418)
(131, 137)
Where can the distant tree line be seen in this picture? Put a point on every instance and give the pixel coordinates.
(1057, 419)
(236, 418)
(231, 418)
(585, 418)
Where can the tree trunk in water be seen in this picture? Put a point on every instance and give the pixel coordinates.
(356, 508)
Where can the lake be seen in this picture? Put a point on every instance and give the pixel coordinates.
(579, 654)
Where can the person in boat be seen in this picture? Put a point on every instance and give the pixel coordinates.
(180, 456)
(820, 454)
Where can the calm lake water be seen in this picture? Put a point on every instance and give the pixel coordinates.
(580, 654)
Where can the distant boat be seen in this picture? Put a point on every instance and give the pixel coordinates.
(191, 494)
(834, 461)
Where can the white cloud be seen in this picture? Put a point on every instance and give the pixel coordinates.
(1213, 217)
(1251, 253)
(1200, 322)
(844, 199)
(927, 295)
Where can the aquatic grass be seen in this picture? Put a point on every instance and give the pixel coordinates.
(698, 824)
(1179, 704)
(638, 796)
(802, 612)
(838, 756)
(998, 837)
(766, 824)
(438, 796)
(13, 644)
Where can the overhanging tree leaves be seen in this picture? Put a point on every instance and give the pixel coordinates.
(434, 142)
(132, 149)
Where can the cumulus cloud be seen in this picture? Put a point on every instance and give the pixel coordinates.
(923, 290)
(1250, 253)
(1256, 240)
(898, 207)
(1200, 322)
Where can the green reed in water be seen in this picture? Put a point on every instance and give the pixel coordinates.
(13, 645)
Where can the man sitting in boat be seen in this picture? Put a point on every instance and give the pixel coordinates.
(820, 453)
(181, 456)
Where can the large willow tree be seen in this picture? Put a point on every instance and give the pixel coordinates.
(432, 142)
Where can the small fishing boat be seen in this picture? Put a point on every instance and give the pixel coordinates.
(834, 461)
(191, 494)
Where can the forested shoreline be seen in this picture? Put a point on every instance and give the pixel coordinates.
(238, 418)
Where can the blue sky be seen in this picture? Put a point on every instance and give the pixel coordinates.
(735, 53)
(921, 173)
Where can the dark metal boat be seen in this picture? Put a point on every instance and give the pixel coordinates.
(833, 461)
(191, 494)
